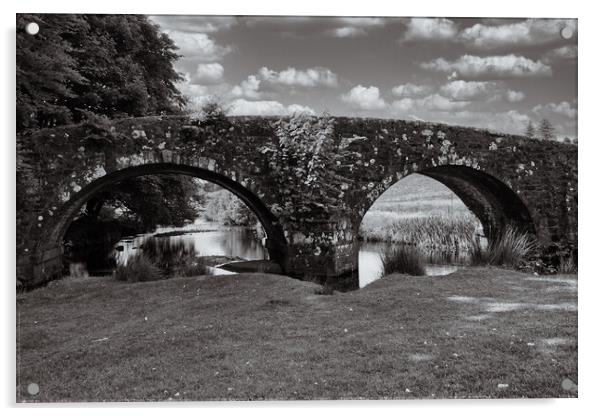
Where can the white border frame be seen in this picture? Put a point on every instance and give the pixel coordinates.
(590, 150)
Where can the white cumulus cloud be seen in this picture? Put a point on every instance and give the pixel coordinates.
(364, 98)
(298, 108)
(362, 21)
(355, 26)
(403, 105)
(563, 108)
(437, 102)
(311, 77)
(563, 52)
(508, 122)
(507, 66)
(348, 32)
(192, 23)
(411, 90)
(434, 102)
(514, 96)
(460, 90)
(248, 88)
(524, 33)
(427, 28)
(242, 107)
(208, 73)
(197, 45)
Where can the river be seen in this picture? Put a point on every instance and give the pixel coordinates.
(212, 239)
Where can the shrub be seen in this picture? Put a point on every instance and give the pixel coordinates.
(510, 248)
(403, 259)
(139, 268)
(196, 268)
(567, 265)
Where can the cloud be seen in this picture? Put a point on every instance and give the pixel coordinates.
(298, 108)
(563, 108)
(438, 102)
(421, 28)
(564, 52)
(434, 102)
(208, 73)
(196, 94)
(198, 45)
(508, 66)
(348, 32)
(362, 21)
(240, 107)
(192, 91)
(403, 105)
(355, 26)
(469, 90)
(411, 90)
(509, 122)
(490, 34)
(290, 77)
(364, 98)
(308, 78)
(526, 33)
(196, 24)
(514, 96)
(276, 21)
(248, 88)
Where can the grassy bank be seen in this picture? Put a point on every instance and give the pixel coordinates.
(479, 332)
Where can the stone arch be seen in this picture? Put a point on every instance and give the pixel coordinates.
(493, 202)
(276, 242)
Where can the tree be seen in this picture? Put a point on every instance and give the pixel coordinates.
(168, 200)
(227, 209)
(103, 65)
(85, 67)
(530, 130)
(546, 130)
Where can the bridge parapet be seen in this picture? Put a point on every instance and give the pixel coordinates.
(311, 209)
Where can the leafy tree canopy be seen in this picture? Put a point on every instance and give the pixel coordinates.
(81, 67)
(168, 200)
(103, 65)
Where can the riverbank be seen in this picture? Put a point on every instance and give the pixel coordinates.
(479, 332)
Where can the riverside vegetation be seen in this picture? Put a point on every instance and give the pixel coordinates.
(161, 258)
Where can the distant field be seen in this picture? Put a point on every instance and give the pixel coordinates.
(418, 196)
(419, 210)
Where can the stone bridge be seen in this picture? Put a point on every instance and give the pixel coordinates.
(311, 222)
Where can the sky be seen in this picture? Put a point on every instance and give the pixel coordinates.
(497, 74)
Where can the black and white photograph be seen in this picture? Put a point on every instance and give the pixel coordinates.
(295, 207)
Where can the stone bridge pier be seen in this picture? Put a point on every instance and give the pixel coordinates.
(309, 181)
(326, 253)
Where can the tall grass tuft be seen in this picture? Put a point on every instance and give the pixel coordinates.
(508, 249)
(403, 259)
(567, 265)
(429, 233)
(139, 268)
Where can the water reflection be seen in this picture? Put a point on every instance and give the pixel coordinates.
(215, 240)
(207, 241)
(370, 265)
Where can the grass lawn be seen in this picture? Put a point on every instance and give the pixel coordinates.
(480, 332)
